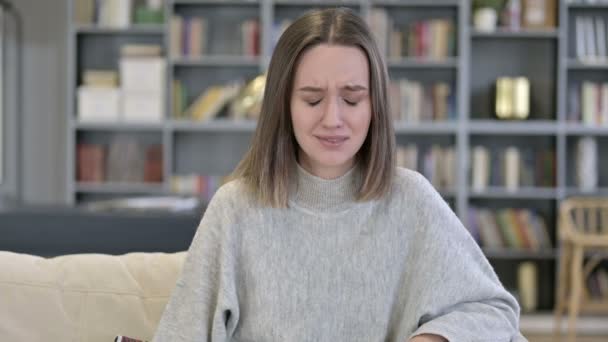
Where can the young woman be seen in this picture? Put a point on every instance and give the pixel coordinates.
(319, 237)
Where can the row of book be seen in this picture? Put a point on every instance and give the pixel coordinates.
(437, 163)
(234, 100)
(411, 101)
(590, 33)
(190, 38)
(429, 39)
(123, 160)
(134, 93)
(588, 103)
(512, 168)
(118, 13)
(201, 186)
(597, 284)
(512, 228)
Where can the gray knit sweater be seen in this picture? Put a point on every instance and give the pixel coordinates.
(332, 269)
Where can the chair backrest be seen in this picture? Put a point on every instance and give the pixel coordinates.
(584, 219)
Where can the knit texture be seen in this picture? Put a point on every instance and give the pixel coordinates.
(331, 269)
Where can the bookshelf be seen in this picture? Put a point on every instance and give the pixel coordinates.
(547, 57)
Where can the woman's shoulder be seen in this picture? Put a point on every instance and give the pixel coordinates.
(232, 195)
(412, 186)
(408, 180)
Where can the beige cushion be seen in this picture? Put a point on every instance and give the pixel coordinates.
(84, 297)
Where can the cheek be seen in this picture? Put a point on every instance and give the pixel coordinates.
(302, 117)
(362, 119)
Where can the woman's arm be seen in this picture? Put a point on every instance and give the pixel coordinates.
(203, 305)
(460, 295)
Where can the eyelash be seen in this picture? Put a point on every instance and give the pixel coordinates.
(352, 104)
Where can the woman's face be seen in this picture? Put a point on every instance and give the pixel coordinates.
(330, 108)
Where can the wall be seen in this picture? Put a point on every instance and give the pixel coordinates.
(44, 128)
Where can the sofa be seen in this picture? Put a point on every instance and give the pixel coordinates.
(84, 297)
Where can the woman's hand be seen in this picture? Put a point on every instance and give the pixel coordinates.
(428, 338)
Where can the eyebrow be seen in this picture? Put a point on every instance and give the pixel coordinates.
(355, 87)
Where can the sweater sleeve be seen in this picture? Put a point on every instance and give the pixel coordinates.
(463, 299)
(203, 305)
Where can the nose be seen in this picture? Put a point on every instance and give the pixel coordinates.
(332, 116)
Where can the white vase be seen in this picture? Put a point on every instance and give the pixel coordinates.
(485, 19)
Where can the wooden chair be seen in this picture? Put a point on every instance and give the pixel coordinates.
(583, 231)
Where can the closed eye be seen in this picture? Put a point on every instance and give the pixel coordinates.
(312, 104)
(350, 103)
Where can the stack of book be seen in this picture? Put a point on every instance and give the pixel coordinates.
(426, 39)
(412, 101)
(438, 164)
(512, 168)
(508, 228)
(142, 74)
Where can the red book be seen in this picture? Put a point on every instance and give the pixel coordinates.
(90, 163)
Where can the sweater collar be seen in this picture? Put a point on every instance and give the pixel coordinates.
(325, 195)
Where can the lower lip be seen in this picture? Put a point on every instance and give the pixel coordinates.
(332, 143)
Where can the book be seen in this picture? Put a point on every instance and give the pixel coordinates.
(521, 98)
(140, 50)
(153, 169)
(90, 162)
(504, 98)
(580, 34)
(587, 164)
(100, 78)
(600, 36)
(84, 12)
(209, 104)
(512, 168)
(481, 168)
(539, 14)
(527, 280)
(125, 161)
(176, 27)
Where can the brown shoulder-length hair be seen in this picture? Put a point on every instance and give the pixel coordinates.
(269, 164)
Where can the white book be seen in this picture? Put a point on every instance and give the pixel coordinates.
(512, 167)
(448, 168)
(581, 45)
(590, 39)
(481, 168)
(600, 34)
(589, 103)
(587, 164)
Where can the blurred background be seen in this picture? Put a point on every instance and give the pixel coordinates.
(119, 119)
